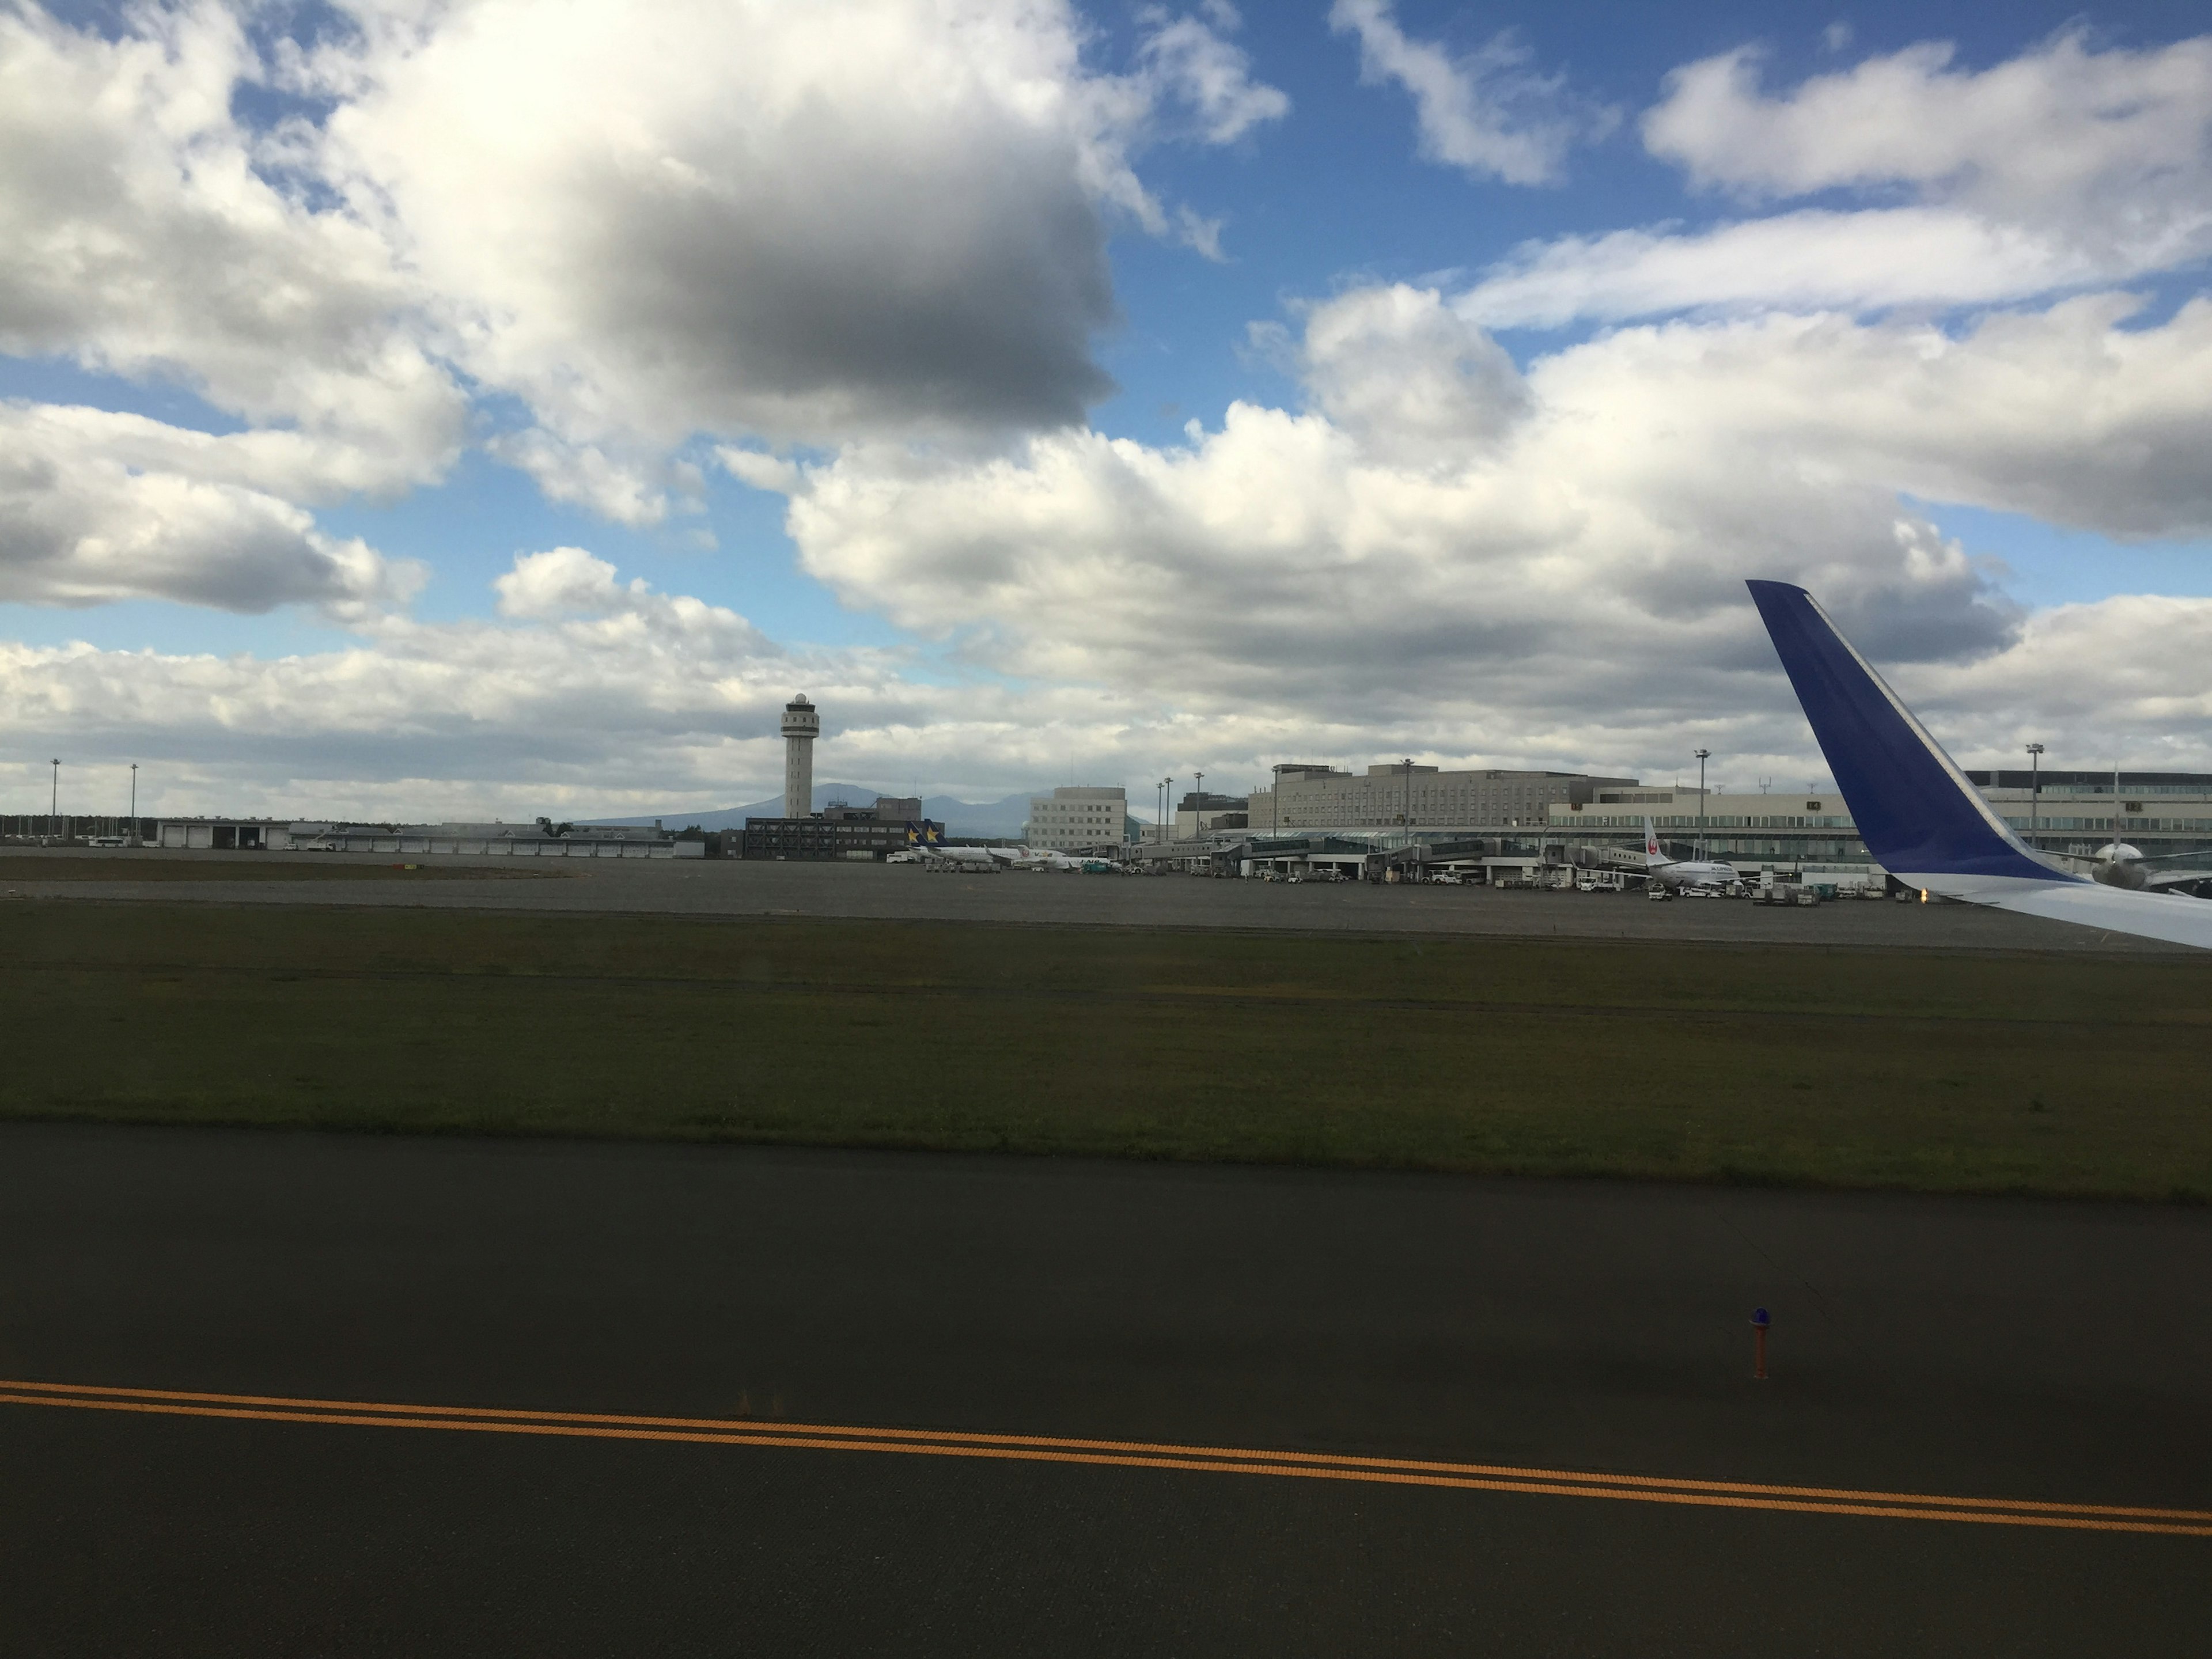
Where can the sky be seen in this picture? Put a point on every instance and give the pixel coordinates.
(489, 409)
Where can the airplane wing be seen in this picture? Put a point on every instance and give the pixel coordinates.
(1919, 818)
(2159, 870)
(2157, 880)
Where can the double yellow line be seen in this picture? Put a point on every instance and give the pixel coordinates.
(1120, 1454)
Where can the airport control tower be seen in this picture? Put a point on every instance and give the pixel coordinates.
(802, 724)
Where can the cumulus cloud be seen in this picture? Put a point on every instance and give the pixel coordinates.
(628, 489)
(568, 582)
(792, 222)
(590, 694)
(878, 226)
(139, 235)
(748, 220)
(95, 507)
(2062, 167)
(2061, 131)
(1407, 379)
(1564, 580)
(1485, 113)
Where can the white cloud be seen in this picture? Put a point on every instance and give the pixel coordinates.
(1485, 113)
(561, 581)
(2061, 168)
(880, 225)
(1193, 65)
(1567, 586)
(795, 223)
(2120, 681)
(593, 696)
(1810, 260)
(745, 219)
(626, 488)
(564, 583)
(2059, 132)
(137, 236)
(96, 506)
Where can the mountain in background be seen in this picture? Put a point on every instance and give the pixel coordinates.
(959, 817)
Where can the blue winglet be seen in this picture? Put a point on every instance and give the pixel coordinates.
(1914, 809)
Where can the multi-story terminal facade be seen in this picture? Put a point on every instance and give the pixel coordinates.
(2071, 813)
(1395, 795)
(863, 835)
(1078, 818)
(1199, 813)
(858, 833)
(2078, 812)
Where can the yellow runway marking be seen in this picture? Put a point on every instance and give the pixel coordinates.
(1121, 1454)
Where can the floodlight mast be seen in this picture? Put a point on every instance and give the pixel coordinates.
(1701, 755)
(2034, 793)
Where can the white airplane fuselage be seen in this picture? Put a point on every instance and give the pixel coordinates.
(1683, 872)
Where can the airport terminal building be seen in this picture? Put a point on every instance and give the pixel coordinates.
(1398, 794)
(858, 834)
(1078, 818)
(1489, 824)
(2071, 813)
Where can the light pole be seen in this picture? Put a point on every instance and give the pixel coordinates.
(2034, 791)
(1701, 755)
(134, 803)
(54, 800)
(1197, 816)
(1407, 816)
(1167, 806)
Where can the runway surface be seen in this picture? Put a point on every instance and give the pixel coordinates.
(905, 892)
(717, 1399)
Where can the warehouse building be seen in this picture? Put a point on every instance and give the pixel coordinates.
(544, 839)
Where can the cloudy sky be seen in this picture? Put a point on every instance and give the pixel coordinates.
(443, 410)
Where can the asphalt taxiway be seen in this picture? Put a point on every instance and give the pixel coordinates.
(536, 1397)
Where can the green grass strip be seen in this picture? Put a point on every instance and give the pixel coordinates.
(1914, 1070)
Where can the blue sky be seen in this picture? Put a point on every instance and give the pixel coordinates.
(442, 348)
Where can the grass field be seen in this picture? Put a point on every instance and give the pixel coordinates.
(1915, 1069)
(237, 867)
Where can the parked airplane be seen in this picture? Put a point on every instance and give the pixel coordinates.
(1068, 863)
(2118, 865)
(1919, 818)
(971, 858)
(1683, 872)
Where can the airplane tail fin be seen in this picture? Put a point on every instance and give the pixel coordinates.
(1652, 853)
(1913, 807)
